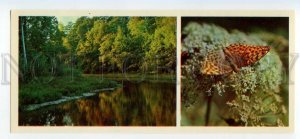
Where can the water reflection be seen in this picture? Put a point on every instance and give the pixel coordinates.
(136, 104)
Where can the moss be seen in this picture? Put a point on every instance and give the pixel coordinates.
(253, 95)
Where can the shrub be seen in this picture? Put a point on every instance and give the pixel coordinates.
(253, 95)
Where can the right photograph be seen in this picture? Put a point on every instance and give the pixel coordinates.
(235, 71)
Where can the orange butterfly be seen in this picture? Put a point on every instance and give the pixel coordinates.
(232, 58)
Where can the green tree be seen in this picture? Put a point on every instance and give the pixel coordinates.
(75, 37)
(162, 51)
(87, 50)
(41, 42)
(122, 43)
(141, 35)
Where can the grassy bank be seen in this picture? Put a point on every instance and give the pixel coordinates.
(43, 90)
(46, 89)
(138, 77)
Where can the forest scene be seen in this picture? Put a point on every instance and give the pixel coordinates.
(97, 71)
(219, 87)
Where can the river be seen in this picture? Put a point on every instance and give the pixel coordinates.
(143, 103)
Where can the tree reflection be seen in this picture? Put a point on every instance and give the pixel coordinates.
(143, 104)
(136, 104)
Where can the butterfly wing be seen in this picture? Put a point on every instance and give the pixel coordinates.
(243, 55)
(215, 64)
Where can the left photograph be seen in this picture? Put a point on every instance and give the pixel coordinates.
(97, 71)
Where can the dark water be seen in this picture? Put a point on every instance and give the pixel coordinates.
(134, 104)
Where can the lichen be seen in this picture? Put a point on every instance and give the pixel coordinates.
(255, 98)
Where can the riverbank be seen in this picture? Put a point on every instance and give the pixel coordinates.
(134, 104)
(38, 91)
(65, 99)
(43, 91)
(137, 77)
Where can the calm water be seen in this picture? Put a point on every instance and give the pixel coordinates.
(136, 104)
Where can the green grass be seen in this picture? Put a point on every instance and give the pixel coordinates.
(44, 89)
(49, 89)
(138, 77)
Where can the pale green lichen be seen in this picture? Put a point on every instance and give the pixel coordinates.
(254, 92)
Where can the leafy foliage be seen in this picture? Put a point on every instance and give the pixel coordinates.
(40, 47)
(52, 54)
(124, 43)
(97, 44)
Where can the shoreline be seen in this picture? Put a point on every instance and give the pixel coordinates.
(32, 107)
(36, 95)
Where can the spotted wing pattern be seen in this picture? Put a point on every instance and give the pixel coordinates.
(215, 64)
(232, 58)
(245, 55)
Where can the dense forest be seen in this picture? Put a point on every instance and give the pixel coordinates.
(57, 60)
(95, 45)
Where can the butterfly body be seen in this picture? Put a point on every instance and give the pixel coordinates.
(232, 58)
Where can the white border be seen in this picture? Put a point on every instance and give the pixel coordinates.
(141, 129)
